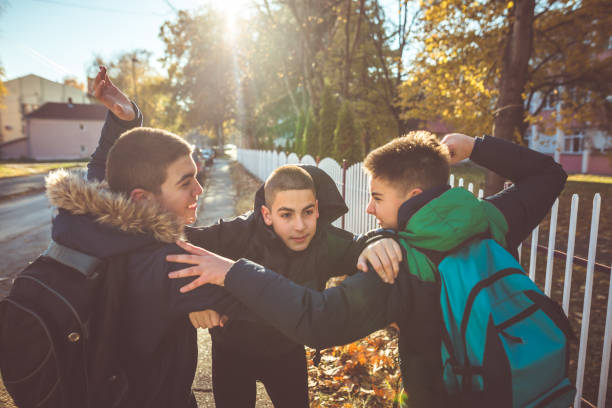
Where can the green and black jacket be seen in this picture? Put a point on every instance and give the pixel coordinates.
(438, 220)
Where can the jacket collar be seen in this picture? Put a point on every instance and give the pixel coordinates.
(414, 204)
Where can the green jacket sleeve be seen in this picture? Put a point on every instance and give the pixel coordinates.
(360, 305)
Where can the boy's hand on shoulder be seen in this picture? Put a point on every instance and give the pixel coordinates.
(110, 96)
(459, 146)
(209, 267)
(385, 256)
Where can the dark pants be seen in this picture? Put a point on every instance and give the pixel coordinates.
(285, 378)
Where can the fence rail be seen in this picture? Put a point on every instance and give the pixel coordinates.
(353, 183)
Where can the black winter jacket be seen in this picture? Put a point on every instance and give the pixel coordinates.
(363, 303)
(158, 343)
(249, 237)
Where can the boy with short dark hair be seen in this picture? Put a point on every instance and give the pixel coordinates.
(137, 217)
(430, 217)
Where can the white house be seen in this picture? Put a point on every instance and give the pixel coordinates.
(63, 131)
(25, 95)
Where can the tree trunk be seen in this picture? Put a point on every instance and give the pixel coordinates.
(510, 105)
(220, 141)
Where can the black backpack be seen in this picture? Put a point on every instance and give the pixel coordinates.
(58, 341)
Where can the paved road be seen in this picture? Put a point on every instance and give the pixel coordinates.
(19, 216)
(19, 185)
(25, 231)
(216, 202)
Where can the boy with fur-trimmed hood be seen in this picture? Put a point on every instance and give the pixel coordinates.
(151, 193)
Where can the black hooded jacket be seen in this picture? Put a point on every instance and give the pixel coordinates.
(249, 237)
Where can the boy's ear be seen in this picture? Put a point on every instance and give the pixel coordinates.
(316, 207)
(414, 192)
(139, 194)
(267, 215)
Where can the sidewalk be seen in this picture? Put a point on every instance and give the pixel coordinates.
(216, 202)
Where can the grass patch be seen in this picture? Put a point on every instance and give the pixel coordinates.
(590, 178)
(27, 169)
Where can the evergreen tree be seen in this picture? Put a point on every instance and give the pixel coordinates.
(298, 137)
(347, 143)
(311, 135)
(328, 116)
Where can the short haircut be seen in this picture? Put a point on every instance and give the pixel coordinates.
(287, 177)
(416, 160)
(140, 159)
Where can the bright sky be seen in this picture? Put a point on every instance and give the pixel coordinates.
(59, 38)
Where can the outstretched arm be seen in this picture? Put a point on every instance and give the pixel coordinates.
(122, 115)
(361, 304)
(538, 180)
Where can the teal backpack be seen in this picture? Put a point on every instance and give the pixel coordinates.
(504, 343)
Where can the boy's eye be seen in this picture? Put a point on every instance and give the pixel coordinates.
(309, 212)
(285, 215)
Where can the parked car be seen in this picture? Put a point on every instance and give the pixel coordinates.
(208, 155)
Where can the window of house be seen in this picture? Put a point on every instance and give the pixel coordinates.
(573, 143)
(552, 99)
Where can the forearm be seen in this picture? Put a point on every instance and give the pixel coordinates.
(340, 315)
(538, 181)
(205, 297)
(112, 129)
(511, 160)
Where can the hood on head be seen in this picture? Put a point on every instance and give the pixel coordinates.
(76, 196)
(331, 204)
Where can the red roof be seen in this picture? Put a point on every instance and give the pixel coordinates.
(82, 111)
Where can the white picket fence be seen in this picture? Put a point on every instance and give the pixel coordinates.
(353, 183)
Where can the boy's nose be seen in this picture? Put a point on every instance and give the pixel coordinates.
(198, 189)
(299, 224)
(370, 207)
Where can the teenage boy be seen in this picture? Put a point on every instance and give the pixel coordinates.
(151, 194)
(409, 194)
(291, 232)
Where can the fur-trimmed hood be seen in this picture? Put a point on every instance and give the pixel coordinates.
(71, 193)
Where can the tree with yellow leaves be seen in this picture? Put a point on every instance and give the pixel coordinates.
(485, 65)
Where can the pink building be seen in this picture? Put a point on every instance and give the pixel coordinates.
(58, 131)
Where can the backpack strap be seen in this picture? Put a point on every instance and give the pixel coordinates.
(437, 256)
(86, 264)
